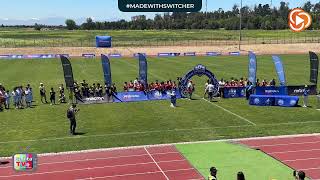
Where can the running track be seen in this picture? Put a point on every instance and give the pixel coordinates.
(143, 163)
(299, 153)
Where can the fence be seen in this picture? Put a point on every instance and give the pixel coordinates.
(232, 40)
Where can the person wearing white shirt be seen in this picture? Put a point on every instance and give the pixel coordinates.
(210, 89)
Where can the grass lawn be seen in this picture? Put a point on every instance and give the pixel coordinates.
(20, 37)
(229, 159)
(45, 128)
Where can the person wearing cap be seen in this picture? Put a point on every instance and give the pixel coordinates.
(305, 96)
(213, 173)
(71, 115)
(173, 98)
(43, 94)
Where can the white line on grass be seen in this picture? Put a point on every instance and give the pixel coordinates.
(228, 111)
(164, 174)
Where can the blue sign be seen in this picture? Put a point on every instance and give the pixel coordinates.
(271, 90)
(190, 54)
(234, 92)
(131, 97)
(157, 95)
(213, 54)
(168, 54)
(88, 55)
(143, 70)
(252, 68)
(234, 53)
(106, 69)
(115, 55)
(104, 41)
(265, 100)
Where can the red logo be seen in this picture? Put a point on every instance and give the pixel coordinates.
(299, 20)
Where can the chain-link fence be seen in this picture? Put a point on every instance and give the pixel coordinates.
(247, 39)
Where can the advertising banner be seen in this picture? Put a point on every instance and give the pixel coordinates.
(299, 90)
(234, 92)
(271, 90)
(131, 97)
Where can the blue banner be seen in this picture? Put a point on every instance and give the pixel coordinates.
(271, 90)
(168, 54)
(88, 55)
(115, 55)
(104, 41)
(106, 69)
(213, 54)
(234, 53)
(252, 69)
(234, 92)
(190, 54)
(157, 95)
(283, 101)
(280, 71)
(143, 70)
(130, 97)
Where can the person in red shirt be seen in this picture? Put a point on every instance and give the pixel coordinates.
(125, 87)
(131, 86)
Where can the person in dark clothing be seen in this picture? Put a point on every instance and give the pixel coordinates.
(71, 115)
(52, 96)
(213, 173)
(43, 94)
(240, 176)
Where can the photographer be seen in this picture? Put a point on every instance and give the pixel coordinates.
(71, 115)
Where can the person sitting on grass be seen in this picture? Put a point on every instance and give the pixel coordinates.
(213, 173)
(240, 176)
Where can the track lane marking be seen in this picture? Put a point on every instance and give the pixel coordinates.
(164, 174)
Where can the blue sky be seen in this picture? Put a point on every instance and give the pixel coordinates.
(98, 9)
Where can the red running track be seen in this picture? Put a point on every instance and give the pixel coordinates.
(145, 163)
(297, 152)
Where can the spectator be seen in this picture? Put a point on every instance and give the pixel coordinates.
(7, 97)
(191, 89)
(300, 175)
(29, 96)
(43, 94)
(62, 97)
(52, 96)
(305, 96)
(125, 87)
(213, 173)
(240, 176)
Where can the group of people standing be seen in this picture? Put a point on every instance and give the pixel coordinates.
(52, 94)
(21, 97)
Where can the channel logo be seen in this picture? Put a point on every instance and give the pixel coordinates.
(299, 20)
(24, 162)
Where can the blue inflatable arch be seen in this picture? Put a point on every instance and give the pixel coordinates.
(198, 70)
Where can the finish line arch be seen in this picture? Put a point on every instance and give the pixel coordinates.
(198, 70)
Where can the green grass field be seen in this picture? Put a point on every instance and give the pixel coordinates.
(229, 159)
(45, 128)
(10, 37)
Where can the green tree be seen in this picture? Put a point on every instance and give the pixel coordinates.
(71, 24)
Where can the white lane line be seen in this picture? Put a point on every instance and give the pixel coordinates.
(164, 174)
(226, 110)
(284, 152)
(94, 159)
(284, 144)
(133, 174)
(90, 168)
(305, 159)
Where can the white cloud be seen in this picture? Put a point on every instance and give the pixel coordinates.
(5, 19)
(35, 19)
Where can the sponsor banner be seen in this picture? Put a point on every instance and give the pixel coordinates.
(88, 55)
(117, 55)
(252, 68)
(265, 100)
(213, 54)
(234, 53)
(59, 55)
(137, 54)
(131, 97)
(103, 41)
(314, 67)
(106, 69)
(299, 90)
(158, 95)
(67, 71)
(280, 70)
(271, 90)
(143, 70)
(12, 56)
(234, 92)
(190, 54)
(95, 100)
(168, 54)
(4, 56)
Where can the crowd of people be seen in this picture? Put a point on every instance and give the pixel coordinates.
(213, 175)
(138, 85)
(243, 82)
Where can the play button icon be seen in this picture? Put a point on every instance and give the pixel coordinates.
(299, 20)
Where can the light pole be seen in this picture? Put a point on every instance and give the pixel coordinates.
(240, 29)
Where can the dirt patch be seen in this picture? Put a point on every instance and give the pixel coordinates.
(128, 52)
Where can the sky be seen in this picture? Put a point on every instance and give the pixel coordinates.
(56, 11)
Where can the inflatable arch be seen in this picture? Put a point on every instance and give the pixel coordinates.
(198, 70)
